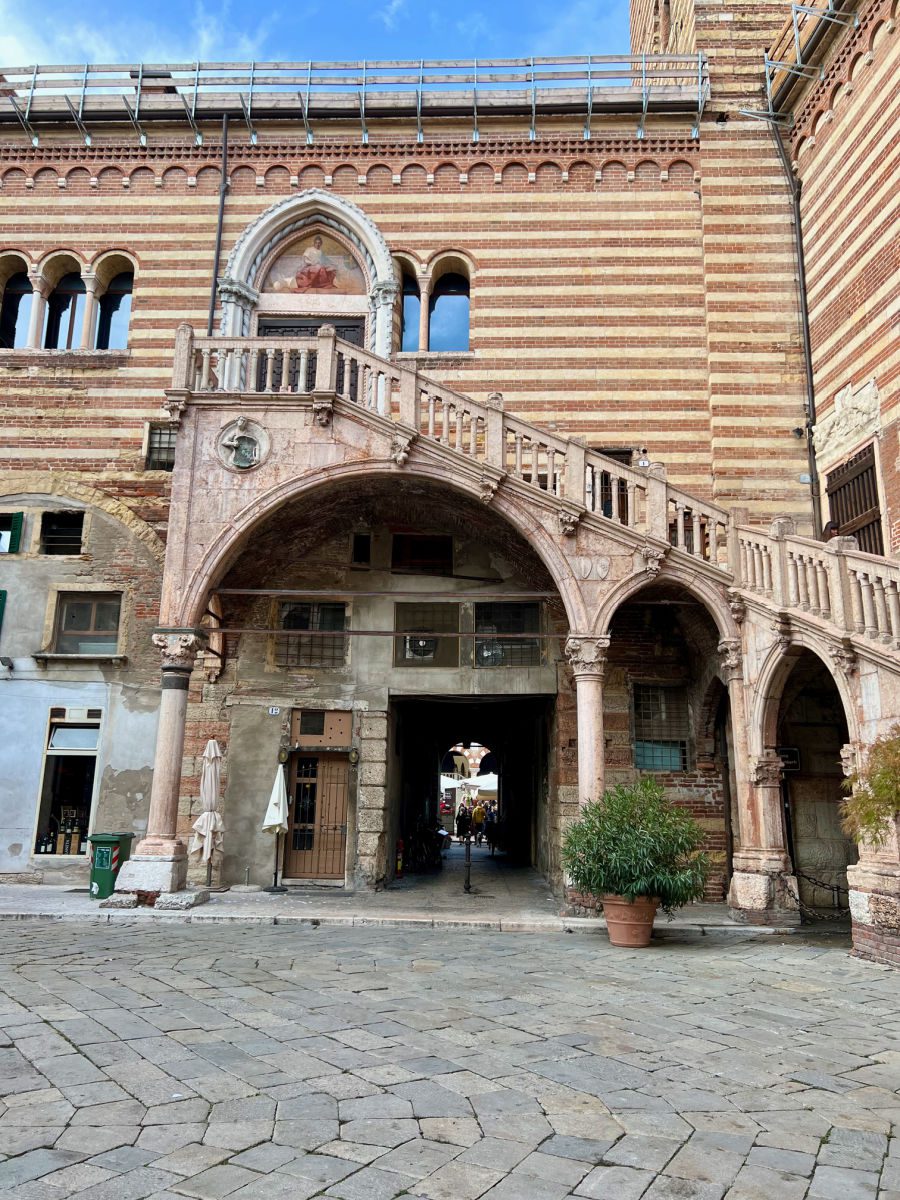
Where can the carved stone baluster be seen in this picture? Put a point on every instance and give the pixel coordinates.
(630, 504)
(431, 415)
(460, 417)
(303, 372)
(767, 570)
(793, 581)
(446, 417)
(252, 367)
(759, 578)
(518, 466)
(824, 594)
(802, 584)
(812, 585)
(204, 369)
(881, 609)
(870, 621)
(270, 368)
(473, 435)
(679, 525)
(551, 470)
(287, 358)
(535, 462)
(745, 564)
(856, 601)
(893, 604)
(697, 532)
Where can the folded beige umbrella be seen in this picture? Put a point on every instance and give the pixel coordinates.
(206, 839)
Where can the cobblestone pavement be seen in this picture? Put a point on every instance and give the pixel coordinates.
(150, 1061)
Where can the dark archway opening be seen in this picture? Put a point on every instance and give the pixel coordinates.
(517, 730)
(811, 730)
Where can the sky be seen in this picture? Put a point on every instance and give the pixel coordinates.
(181, 31)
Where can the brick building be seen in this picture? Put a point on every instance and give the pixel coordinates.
(404, 407)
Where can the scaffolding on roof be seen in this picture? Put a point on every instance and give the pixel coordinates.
(141, 94)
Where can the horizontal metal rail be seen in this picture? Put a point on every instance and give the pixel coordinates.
(431, 594)
(136, 94)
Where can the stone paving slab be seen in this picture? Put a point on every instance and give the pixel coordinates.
(259, 1062)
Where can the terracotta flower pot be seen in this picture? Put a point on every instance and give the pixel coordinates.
(629, 923)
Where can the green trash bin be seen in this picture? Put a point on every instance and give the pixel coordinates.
(108, 852)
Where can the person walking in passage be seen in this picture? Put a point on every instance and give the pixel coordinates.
(478, 822)
(463, 822)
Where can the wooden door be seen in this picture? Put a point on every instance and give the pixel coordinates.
(316, 844)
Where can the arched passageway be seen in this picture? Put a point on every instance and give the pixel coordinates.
(810, 730)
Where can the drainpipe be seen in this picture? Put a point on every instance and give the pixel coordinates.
(795, 185)
(223, 188)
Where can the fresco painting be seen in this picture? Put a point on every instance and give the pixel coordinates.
(316, 263)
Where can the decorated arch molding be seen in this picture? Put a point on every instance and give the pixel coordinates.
(282, 223)
(185, 606)
(711, 595)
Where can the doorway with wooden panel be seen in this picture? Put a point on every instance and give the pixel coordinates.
(316, 843)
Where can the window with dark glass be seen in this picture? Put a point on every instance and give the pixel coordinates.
(87, 623)
(422, 553)
(448, 313)
(115, 313)
(361, 550)
(420, 643)
(412, 305)
(317, 637)
(660, 728)
(61, 532)
(160, 448)
(15, 312)
(65, 313)
(501, 635)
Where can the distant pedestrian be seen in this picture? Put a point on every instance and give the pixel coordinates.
(478, 814)
(463, 822)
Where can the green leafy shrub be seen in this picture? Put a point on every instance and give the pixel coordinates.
(874, 801)
(635, 842)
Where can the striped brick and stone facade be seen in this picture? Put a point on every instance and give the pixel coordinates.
(635, 364)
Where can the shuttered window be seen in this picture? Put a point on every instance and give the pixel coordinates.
(853, 502)
(11, 532)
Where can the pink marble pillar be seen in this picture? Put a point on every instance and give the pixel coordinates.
(587, 658)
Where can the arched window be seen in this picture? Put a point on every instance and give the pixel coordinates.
(115, 313)
(15, 313)
(412, 305)
(448, 313)
(65, 313)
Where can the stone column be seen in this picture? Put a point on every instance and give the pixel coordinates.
(762, 886)
(40, 291)
(424, 302)
(159, 863)
(89, 321)
(384, 297)
(587, 658)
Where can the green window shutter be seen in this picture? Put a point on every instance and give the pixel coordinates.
(2, 607)
(15, 533)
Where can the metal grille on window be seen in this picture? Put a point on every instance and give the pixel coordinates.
(305, 812)
(323, 644)
(660, 728)
(853, 501)
(419, 623)
(161, 448)
(515, 621)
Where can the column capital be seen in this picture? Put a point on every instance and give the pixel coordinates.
(730, 658)
(385, 292)
(179, 647)
(766, 770)
(587, 654)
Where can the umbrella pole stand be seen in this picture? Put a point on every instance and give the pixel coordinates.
(276, 886)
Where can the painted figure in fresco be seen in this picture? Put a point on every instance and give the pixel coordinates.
(317, 264)
(316, 272)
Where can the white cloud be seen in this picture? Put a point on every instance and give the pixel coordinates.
(391, 12)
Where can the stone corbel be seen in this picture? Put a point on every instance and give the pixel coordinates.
(737, 606)
(782, 630)
(401, 444)
(730, 657)
(179, 647)
(653, 558)
(488, 484)
(568, 519)
(844, 657)
(174, 405)
(850, 759)
(587, 655)
(322, 408)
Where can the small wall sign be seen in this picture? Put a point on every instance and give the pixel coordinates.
(274, 710)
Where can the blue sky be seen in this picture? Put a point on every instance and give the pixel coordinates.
(283, 30)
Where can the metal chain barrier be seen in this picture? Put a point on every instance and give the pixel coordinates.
(814, 914)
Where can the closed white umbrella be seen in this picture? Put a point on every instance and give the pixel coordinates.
(276, 820)
(208, 828)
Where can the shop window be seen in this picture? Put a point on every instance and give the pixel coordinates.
(660, 728)
(15, 312)
(69, 767)
(115, 313)
(853, 501)
(412, 306)
(160, 448)
(501, 635)
(87, 623)
(448, 313)
(319, 638)
(61, 532)
(65, 314)
(422, 553)
(11, 532)
(420, 626)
